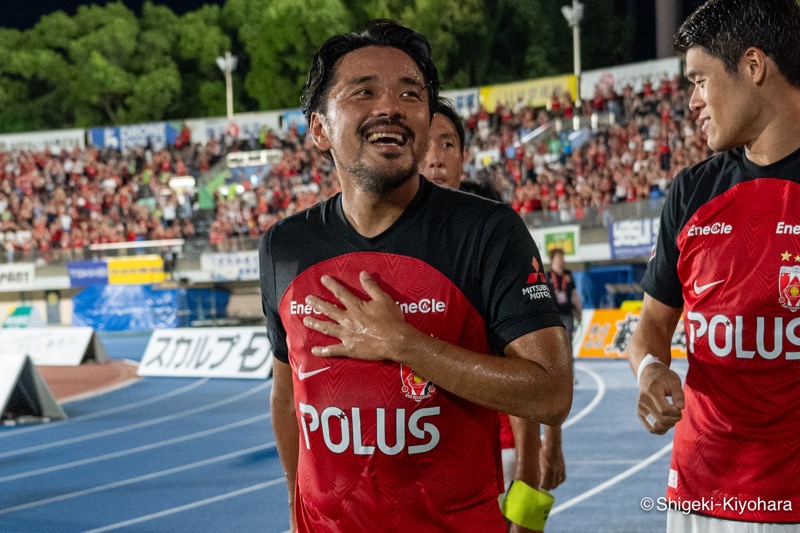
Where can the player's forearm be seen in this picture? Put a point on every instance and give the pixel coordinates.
(552, 435)
(527, 444)
(284, 426)
(651, 337)
(539, 390)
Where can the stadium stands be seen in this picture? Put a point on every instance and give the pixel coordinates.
(53, 205)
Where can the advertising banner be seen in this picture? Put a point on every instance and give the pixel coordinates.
(633, 238)
(208, 352)
(54, 140)
(466, 101)
(17, 277)
(634, 74)
(156, 135)
(606, 333)
(54, 346)
(138, 270)
(534, 93)
(249, 124)
(565, 237)
(85, 273)
(233, 266)
(24, 316)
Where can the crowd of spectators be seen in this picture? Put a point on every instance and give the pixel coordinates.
(646, 139)
(53, 205)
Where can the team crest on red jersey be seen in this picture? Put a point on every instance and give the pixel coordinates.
(415, 386)
(789, 288)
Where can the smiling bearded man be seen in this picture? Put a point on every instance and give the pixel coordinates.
(384, 305)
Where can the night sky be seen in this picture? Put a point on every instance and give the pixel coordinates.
(24, 14)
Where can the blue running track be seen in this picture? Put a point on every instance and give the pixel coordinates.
(198, 455)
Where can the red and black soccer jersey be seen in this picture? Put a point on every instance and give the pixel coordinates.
(728, 252)
(381, 447)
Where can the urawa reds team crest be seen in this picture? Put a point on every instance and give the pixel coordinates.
(789, 288)
(415, 386)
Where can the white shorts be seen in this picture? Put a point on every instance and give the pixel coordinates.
(678, 522)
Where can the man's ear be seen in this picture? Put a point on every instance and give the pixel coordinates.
(318, 132)
(754, 61)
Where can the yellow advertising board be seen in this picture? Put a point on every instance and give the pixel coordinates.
(138, 270)
(534, 93)
(606, 333)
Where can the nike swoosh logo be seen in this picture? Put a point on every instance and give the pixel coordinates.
(303, 375)
(700, 289)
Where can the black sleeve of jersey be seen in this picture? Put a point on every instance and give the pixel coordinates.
(517, 298)
(661, 278)
(269, 299)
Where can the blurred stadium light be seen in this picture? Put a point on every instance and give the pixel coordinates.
(574, 15)
(227, 64)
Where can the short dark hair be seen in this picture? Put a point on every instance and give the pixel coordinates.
(379, 32)
(726, 28)
(556, 251)
(445, 107)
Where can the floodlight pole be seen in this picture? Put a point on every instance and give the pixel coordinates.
(227, 65)
(574, 15)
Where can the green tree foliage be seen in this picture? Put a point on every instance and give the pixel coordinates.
(281, 41)
(201, 38)
(109, 65)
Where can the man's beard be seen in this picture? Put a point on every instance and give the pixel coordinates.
(388, 175)
(381, 181)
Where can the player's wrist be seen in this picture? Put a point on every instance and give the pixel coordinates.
(406, 342)
(648, 360)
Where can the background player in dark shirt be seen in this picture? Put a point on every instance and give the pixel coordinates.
(524, 454)
(369, 100)
(726, 260)
(565, 294)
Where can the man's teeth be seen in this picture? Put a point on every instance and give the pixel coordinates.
(375, 137)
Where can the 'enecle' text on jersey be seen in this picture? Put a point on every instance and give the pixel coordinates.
(383, 448)
(728, 253)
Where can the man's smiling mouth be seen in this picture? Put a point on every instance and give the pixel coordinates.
(387, 138)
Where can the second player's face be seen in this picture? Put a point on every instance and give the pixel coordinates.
(377, 118)
(724, 102)
(443, 162)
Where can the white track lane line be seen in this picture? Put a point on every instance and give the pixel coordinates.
(189, 506)
(137, 479)
(138, 449)
(113, 410)
(619, 477)
(611, 482)
(598, 397)
(139, 425)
